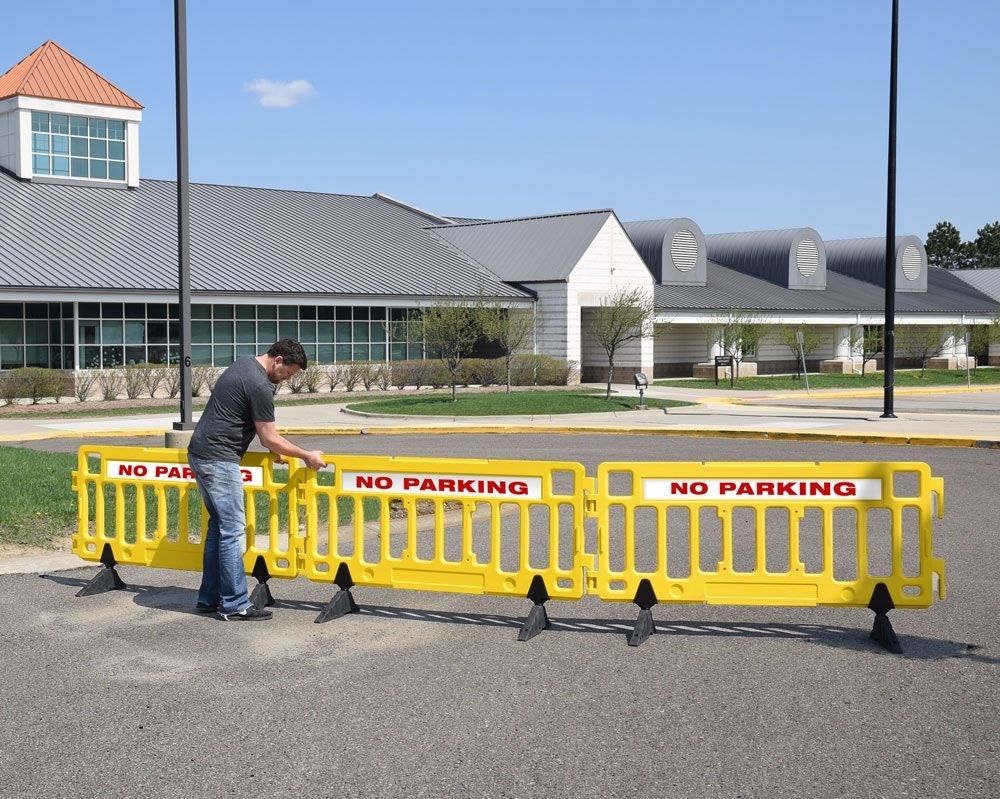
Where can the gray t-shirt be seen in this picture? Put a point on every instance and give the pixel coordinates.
(241, 397)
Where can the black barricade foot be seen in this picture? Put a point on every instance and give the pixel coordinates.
(538, 619)
(645, 598)
(342, 602)
(261, 595)
(106, 579)
(881, 603)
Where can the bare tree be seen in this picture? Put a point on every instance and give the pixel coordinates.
(450, 330)
(869, 341)
(789, 336)
(922, 341)
(510, 328)
(738, 333)
(625, 316)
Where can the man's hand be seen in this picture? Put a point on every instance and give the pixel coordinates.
(314, 459)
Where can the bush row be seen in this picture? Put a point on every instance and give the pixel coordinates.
(148, 380)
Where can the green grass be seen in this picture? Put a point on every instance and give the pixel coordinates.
(37, 504)
(499, 403)
(909, 378)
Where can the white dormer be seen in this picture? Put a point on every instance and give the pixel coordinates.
(62, 122)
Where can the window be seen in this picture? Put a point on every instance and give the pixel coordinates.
(80, 147)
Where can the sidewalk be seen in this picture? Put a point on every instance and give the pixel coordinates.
(946, 417)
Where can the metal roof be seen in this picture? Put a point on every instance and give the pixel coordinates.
(243, 241)
(984, 280)
(51, 73)
(731, 289)
(528, 250)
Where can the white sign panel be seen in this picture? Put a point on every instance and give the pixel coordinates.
(171, 472)
(464, 485)
(821, 489)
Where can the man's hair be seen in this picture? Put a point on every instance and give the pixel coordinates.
(291, 352)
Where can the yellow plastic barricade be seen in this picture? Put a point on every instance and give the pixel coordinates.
(780, 533)
(504, 527)
(141, 506)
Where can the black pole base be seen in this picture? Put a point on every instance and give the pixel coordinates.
(538, 619)
(342, 602)
(881, 603)
(261, 595)
(106, 579)
(645, 598)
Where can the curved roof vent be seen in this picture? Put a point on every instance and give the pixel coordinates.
(672, 249)
(864, 259)
(794, 259)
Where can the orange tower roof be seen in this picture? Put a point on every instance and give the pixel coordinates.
(52, 73)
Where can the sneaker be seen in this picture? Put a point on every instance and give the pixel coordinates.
(203, 607)
(252, 613)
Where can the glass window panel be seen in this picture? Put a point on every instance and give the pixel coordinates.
(134, 310)
(113, 310)
(378, 313)
(116, 129)
(360, 352)
(288, 329)
(288, 312)
(40, 142)
(11, 310)
(245, 349)
(78, 168)
(307, 332)
(361, 313)
(135, 332)
(98, 128)
(343, 353)
(156, 332)
(343, 312)
(222, 311)
(78, 126)
(201, 354)
(112, 331)
(116, 150)
(59, 123)
(60, 166)
(267, 332)
(98, 149)
(174, 333)
(343, 332)
(134, 355)
(90, 310)
(360, 332)
(36, 356)
(224, 355)
(222, 332)
(246, 333)
(90, 358)
(60, 145)
(99, 169)
(11, 331)
(324, 331)
(36, 310)
(307, 312)
(112, 356)
(156, 310)
(246, 312)
(324, 353)
(11, 357)
(39, 121)
(416, 352)
(116, 170)
(200, 311)
(325, 312)
(267, 311)
(36, 332)
(398, 352)
(88, 333)
(40, 164)
(310, 351)
(201, 331)
(78, 147)
(378, 352)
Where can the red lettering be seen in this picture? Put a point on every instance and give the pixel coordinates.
(410, 482)
(247, 475)
(845, 489)
(519, 488)
(726, 487)
(446, 484)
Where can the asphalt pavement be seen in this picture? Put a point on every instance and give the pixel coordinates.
(132, 694)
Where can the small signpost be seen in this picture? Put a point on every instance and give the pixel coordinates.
(722, 361)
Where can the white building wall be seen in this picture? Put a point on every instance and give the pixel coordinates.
(8, 135)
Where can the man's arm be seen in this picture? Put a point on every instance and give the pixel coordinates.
(279, 445)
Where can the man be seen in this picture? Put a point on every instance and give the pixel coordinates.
(241, 406)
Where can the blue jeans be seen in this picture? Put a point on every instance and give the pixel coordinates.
(223, 580)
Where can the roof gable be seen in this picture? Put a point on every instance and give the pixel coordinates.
(53, 74)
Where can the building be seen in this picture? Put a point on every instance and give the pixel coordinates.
(89, 263)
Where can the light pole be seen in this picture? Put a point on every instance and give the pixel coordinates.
(889, 344)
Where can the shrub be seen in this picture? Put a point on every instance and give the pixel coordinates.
(333, 376)
(297, 382)
(313, 379)
(111, 382)
(170, 379)
(540, 370)
(482, 371)
(133, 379)
(203, 379)
(152, 378)
(84, 384)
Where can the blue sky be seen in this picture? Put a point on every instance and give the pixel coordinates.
(741, 115)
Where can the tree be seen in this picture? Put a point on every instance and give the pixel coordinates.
(738, 333)
(944, 247)
(510, 328)
(921, 341)
(980, 337)
(869, 341)
(450, 330)
(625, 316)
(987, 246)
(789, 336)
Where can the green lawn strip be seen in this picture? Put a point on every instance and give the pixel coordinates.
(931, 378)
(518, 403)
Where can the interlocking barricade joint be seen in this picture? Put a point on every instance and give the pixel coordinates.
(851, 534)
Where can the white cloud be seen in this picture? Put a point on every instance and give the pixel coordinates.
(274, 94)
